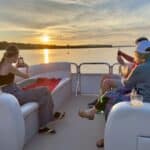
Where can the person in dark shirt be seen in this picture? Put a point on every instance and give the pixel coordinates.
(137, 79)
(110, 81)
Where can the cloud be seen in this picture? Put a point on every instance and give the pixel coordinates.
(37, 14)
(74, 20)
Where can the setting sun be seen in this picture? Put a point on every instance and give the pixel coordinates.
(45, 38)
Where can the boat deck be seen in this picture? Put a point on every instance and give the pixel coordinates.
(73, 132)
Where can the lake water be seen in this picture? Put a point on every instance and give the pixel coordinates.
(37, 56)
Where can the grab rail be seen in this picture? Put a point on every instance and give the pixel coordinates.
(77, 79)
(113, 65)
(78, 88)
(95, 63)
(78, 72)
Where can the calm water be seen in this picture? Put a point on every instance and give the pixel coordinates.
(71, 55)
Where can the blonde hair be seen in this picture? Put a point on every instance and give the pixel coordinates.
(142, 56)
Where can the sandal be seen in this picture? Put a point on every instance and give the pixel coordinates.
(59, 115)
(100, 143)
(47, 130)
(86, 114)
(52, 131)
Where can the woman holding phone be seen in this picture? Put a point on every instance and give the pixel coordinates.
(40, 95)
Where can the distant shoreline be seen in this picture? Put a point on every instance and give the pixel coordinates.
(3, 45)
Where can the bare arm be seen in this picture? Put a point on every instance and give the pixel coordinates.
(120, 60)
(126, 56)
(132, 78)
(19, 73)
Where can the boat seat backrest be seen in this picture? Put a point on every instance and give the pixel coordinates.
(51, 67)
(50, 70)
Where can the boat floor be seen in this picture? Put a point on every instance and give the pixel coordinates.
(73, 132)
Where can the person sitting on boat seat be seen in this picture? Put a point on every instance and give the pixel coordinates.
(40, 95)
(110, 81)
(138, 79)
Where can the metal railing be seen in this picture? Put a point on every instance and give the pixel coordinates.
(78, 71)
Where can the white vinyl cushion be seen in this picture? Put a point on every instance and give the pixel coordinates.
(12, 130)
(125, 124)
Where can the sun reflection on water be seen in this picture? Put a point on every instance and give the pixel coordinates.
(46, 56)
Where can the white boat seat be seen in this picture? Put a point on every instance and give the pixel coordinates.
(20, 124)
(28, 108)
(128, 127)
(12, 129)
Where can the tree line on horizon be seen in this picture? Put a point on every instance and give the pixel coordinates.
(4, 45)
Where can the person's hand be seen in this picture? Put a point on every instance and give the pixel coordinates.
(124, 70)
(25, 65)
(21, 63)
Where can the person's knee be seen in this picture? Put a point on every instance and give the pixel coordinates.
(107, 82)
(105, 77)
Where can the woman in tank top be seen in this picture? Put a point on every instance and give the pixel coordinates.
(7, 74)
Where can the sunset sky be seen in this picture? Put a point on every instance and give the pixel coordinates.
(74, 21)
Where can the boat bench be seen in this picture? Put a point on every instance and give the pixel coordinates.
(20, 124)
(128, 127)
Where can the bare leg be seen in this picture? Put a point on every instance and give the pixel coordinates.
(107, 85)
(107, 77)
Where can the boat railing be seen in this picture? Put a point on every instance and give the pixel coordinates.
(109, 67)
(113, 66)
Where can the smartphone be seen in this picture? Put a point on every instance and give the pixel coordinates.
(20, 62)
